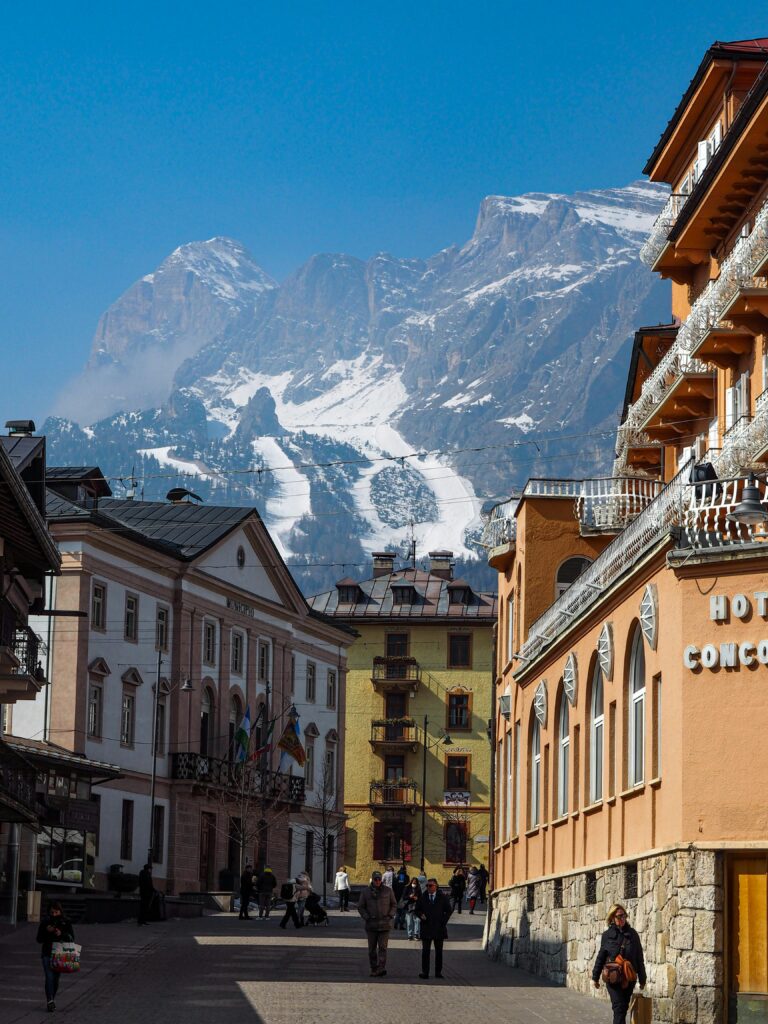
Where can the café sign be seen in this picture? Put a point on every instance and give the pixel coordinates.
(731, 654)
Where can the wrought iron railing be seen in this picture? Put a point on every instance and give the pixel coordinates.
(655, 242)
(737, 271)
(665, 511)
(26, 648)
(393, 730)
(499, 527)
(237, 776)
(611, 503)
(393, 793)
(17, 781)
(395, 669)
(705, 519)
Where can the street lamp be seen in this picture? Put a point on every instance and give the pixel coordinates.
(446, 741)
(187, 688)
(750, 511)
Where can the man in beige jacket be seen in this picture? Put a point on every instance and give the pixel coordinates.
(377, 906)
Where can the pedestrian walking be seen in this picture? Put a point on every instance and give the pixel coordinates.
(620, 940)
(266, 883)
(411, 899)
(341, 886)
(377, 907)
(483, 872)
(304, 884)
(457, 884)
(246, 892)
(388, 877)
(54, 927)
(473, 888)
(398, 888)
(434, 909)
(289, 892)
(146, 894)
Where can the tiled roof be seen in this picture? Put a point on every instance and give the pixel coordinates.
(432, 600)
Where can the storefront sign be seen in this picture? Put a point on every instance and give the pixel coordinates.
(731, 654)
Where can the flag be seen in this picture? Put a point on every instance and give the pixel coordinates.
(266, 746)
(290, 743)
(243, 736)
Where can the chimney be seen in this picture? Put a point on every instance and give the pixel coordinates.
(20, 428)
(383, 563)
(441, 564)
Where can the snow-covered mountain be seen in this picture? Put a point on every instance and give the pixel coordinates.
(310, 398)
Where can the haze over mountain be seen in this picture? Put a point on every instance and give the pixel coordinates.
(308, 398)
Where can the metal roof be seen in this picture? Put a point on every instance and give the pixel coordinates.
(60, 755)
(22, 448)
(432, 600)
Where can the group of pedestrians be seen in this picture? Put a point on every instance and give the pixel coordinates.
(472, 883)
(261, 885)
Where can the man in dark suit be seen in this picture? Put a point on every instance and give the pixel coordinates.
(433, 909)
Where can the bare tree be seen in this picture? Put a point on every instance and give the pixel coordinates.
(328, 822)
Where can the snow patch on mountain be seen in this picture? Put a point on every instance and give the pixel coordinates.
(291, 499)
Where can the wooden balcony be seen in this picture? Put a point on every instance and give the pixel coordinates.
(395, 674)
(394, 735)
(398, 794)
(237, 777)
(748, 309)
(21, 675)
(723, 347)
(688, 398)
(17, 788)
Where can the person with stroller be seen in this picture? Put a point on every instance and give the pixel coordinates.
(304, 884)
(54, 927)
(266, 883)
(457, 885)
(341, 886)
(410, 900)
(289, 892)
(246, 892)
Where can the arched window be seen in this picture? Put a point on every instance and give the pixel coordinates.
(596, 734)
(235, 717)
(206, 722)
(535, 773)
(563, 755)
(568, 572)
(636, 711)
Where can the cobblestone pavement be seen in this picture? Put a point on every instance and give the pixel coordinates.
(219, 969)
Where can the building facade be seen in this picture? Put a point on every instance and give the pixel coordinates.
(419, 690)
(185, 615)
(633, 659)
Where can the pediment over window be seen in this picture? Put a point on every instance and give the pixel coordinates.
(605, 650)
(649, 615)
(571, 678)
(540, 703)
(331, 736)
(99, 667)
(312, 731)
(132, 677)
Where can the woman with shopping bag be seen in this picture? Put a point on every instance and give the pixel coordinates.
(620, 962)
(54, 929)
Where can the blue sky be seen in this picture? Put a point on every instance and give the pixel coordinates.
(298, 128)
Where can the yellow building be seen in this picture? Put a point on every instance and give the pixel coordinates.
(419, 685)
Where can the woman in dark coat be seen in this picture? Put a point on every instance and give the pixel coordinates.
(457, 884)
(54, 927)
(619, 938)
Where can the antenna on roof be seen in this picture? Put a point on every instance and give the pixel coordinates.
(130, 492)
(412, 544)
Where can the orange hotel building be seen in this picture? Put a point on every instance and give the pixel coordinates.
(632, 677)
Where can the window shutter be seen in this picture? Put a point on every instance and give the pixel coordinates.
(407, 844)
(745, 393)
(701, 163)
(717, 137)
(729, 408)
(378, 840)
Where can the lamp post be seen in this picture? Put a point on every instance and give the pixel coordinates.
(446, 741)
(187, 688)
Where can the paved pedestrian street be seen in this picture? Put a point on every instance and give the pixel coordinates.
(219, 969)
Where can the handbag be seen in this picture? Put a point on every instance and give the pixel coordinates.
(613, 973)
(65, 957)
(640, 1009)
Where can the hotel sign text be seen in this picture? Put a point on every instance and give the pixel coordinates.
(731, 654)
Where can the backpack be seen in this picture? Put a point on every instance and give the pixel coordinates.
(286, 891)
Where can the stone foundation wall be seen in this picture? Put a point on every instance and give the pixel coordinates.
(678, 913)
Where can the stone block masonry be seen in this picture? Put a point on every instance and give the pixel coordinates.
(552, 928)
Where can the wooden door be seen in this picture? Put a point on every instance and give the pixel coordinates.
(748, 940)
(207, 851)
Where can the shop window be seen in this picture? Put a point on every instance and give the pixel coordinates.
(161, 628)
(636, 712)
(459, 712)
(126, 831)
(64, 855)
(557, 894)
(209, 643)
(99, 606)
(563, 756)
(459, 650)
(158, 833)
(131, 621)
(590, 888)
(455, 842)
(311, 681)
(535, 775)
(392, 841)
(596, 737)
(95, 707)
(457, 772)
(238, 646)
